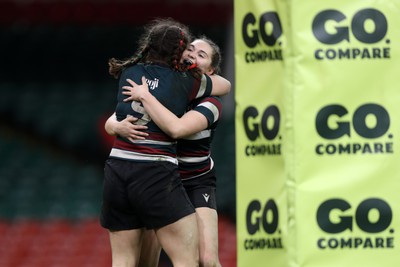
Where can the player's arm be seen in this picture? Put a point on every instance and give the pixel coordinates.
(220, 85)
(125, 128)
(190, 123)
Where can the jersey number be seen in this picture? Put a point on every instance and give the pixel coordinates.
(137, 107)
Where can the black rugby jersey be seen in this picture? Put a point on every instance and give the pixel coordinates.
(175, 90)
(194, 151)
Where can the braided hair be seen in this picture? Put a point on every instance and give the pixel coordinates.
(163, 41)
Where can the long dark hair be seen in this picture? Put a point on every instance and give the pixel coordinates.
(163, 41)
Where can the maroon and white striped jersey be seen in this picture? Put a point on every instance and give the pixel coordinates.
(194, 152)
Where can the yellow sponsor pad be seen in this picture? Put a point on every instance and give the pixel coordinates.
(261, 197)
(330, 104)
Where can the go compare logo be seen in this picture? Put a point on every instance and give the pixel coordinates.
(338, 218)
(262, 128)
(363, 32)
(369, 121)
(262, 221)
(261, 36)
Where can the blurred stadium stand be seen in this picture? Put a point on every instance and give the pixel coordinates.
(55, 96)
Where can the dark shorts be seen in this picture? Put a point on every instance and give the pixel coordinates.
(142, 194)
(201, 190)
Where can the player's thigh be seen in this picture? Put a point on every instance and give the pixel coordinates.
(125, 247)
(180, 241)
(151, 249)
(207, 221)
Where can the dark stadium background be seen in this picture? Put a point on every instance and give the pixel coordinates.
(55, 95)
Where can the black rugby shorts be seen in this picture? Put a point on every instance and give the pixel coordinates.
(142, 194)
(201, 190)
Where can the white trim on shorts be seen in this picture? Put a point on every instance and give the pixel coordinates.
(194, 159)
(203, 173)
(125, 154)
